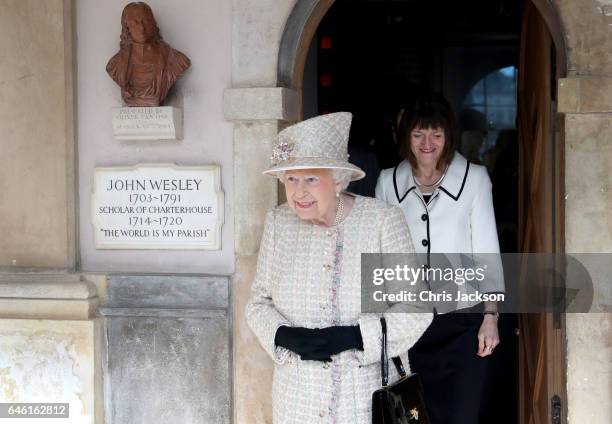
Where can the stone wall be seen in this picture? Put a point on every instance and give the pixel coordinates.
(50, 343)
(239, 38)
(37, 168)
(587, 27)
(586, 99)
(589, 39)
(588, 210)
(167, 357)
(258, 110)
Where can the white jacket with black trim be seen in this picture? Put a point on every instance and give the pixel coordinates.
(458, 218)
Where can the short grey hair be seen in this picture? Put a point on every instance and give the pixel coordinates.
(342, 176)
(339, 175)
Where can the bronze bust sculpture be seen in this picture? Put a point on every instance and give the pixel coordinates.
(145, 67)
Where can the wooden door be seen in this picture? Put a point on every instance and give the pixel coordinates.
(541, 350)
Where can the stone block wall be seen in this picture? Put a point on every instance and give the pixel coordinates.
(168, 350)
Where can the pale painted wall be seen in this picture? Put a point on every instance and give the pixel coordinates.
(202, 30)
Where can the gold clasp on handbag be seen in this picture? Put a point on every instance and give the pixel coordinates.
(414, 414)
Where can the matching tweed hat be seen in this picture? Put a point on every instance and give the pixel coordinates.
(319, 142)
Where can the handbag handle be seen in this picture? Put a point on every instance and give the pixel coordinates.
(384, 360)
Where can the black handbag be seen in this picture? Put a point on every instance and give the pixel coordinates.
(401, 402)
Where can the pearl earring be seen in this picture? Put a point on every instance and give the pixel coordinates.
(337, 194)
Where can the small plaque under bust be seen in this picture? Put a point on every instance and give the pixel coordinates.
(148, 123)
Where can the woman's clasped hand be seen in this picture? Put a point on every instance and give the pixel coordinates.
(319, 344)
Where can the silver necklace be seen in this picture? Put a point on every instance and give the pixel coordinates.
(420, 184)
(339, 211)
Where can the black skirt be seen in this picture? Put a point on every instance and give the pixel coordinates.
(453, 376)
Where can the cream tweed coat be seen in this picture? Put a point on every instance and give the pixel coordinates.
(309, 276)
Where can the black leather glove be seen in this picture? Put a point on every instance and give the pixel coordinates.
(319, 344)
(317, 355)
(306, 342)
(341, 338)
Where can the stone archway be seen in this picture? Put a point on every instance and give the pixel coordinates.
(299, 30)
(307, 14)
(295, 42)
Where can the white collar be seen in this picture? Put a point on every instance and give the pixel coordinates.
(452, 184)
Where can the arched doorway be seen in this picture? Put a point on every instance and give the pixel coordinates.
(306, 16)
(541, 351)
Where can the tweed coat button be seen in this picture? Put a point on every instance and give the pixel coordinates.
(322, 413)
(326, 365)
(327, 267)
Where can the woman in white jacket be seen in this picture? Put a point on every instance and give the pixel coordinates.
(448, 206)
(305, 304)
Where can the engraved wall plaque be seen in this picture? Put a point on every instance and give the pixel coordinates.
(157, 206)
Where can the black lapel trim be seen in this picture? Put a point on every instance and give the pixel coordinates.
(400, 200)
(462, 184)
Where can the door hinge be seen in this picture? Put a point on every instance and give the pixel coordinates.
(556, 409)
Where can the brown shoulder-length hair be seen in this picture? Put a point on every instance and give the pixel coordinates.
(427, 111)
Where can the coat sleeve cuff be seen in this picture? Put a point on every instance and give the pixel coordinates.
(281, 354)
(371, 334)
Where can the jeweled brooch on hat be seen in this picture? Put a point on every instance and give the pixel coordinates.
(281, 153)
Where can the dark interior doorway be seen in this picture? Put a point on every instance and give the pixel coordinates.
(369, 57)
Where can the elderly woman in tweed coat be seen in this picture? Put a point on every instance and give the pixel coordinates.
(305, 305)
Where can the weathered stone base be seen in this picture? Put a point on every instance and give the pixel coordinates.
(49, 341)
(168, 350)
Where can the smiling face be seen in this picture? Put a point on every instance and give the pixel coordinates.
(427, 132)
(311, 193)
(141, 24)
(427, 145)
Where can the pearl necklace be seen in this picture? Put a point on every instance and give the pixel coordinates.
(339, 211)
(420, 184)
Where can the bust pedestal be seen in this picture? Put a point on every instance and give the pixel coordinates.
(148, 123)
